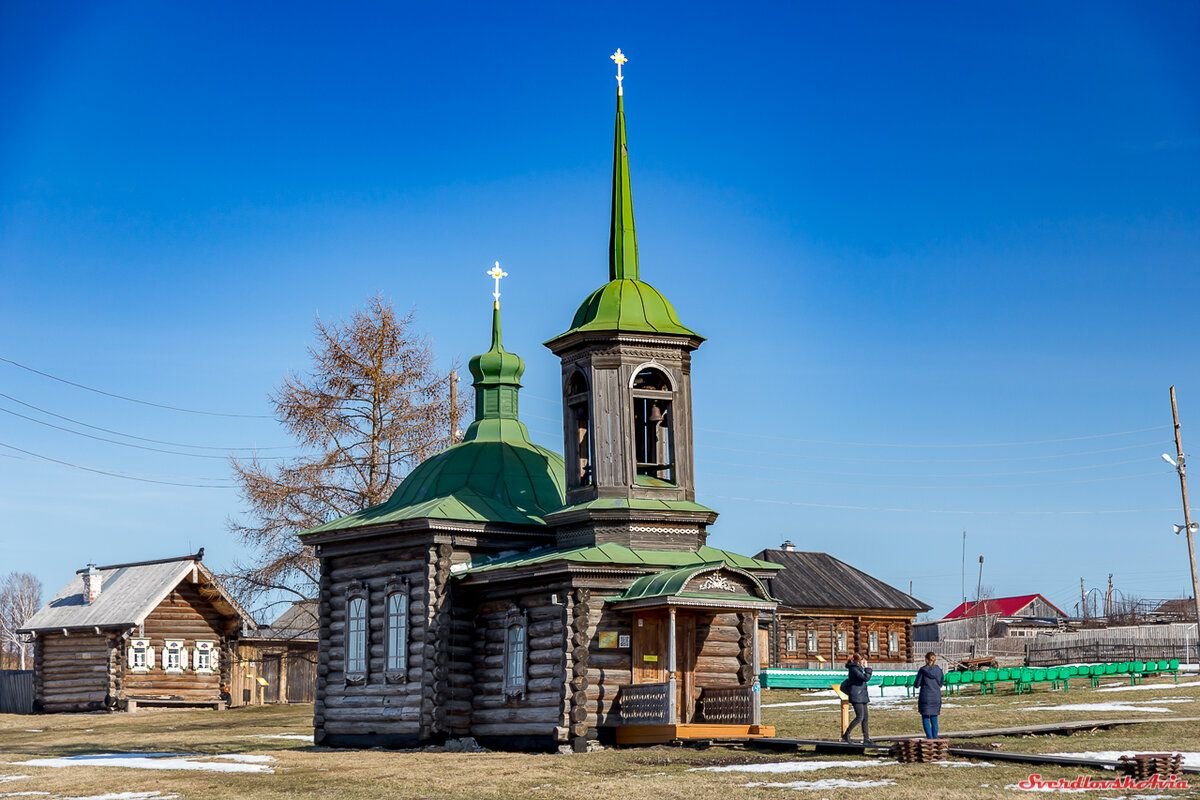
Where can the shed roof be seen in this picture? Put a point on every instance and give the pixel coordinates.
(299, 623)
(128, 593)
(818, 580)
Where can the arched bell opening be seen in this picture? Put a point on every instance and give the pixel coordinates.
(579, 414)
(653, 427)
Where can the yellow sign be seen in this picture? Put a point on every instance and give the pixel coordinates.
(608, 639)
(651, 658)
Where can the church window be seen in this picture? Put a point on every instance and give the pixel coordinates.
(653, 425)
(356, 636)
(580, 420)
(515, 652)
(397, 631)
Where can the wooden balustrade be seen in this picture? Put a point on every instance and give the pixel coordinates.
(644, 704)
(726, 705)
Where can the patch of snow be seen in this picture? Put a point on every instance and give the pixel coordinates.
(1117, 707)
(23, 794)
(11, 778)
(789, 766)
(796, 703)
(1189, 759)
(127, 796)
(246, 759)
(299, 737)
(146, 761)
(1017, 788)
(1152, 686)
(963, 763)
(824, 783)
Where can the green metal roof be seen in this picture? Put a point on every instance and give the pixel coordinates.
(625, 303)
(639, 504)
(673, 582)
(496, 474)
(612, 554)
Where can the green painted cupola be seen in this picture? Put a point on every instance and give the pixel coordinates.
(626, 302)
(496, 474)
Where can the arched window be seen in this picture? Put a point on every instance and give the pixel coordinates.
(356, 638)
(653, 426)
(514, 653)
(579, 414)
(397, 633)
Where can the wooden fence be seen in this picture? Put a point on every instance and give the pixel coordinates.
(16, 691)
(1102, 652)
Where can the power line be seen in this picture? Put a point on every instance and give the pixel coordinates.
(847, 507)
(960, 487)
(117, 474)
(132, 436)
(131, 444)
(879, 460)
(132, 399)
(799, 471)
(915, 446)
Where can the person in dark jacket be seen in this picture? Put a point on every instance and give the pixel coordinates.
(855, 686)
(930, 679)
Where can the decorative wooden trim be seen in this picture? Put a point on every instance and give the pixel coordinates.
(516, 616)
(357, 591)
(397, 585)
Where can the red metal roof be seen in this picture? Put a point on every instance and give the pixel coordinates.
(999, 606)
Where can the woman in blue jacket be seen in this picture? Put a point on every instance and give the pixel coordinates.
(855, 686)
(929, 694)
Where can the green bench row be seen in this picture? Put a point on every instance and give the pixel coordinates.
(1024, 678)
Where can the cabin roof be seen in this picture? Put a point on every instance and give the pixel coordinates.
(128, 593)
(298, 623)
(614, 554)
(818, 580)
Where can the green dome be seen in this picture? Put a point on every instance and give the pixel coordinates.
(495, 474)
(628, 304)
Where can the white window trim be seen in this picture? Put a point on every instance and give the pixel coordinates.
(398, 586)
(893, 642)
(842, 641)
(811, 641)
(873, 642)
(174, 647)
(142, 645)
(208, 648)
(789, 641)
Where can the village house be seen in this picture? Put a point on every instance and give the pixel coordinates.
(1023, 615)
(277, 663)
(157, 632)
(829, 610)
(535, 602)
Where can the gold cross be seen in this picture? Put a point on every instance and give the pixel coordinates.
(495, 273)
(619, 59)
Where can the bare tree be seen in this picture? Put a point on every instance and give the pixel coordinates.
(20, 598)
(370, 409)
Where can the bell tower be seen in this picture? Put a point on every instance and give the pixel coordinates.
(627, 399)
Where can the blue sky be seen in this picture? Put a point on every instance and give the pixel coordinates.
(945, 256)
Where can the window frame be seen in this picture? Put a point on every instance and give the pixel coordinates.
(811, 640)
(583, 472)
(204, 649)
(893, 640)
(790, 642)
(872, 642)
(357, 594)
(516, 684)
(174, 650)
(141, 646)
(842, 641)
(398, 587)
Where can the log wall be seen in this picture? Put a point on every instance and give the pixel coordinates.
(857, 629)
(390, 712)
(72, 672)
(185, 615)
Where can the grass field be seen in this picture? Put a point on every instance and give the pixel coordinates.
(266, 744)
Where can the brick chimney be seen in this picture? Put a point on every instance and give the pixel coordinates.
(91, 584)
(787, 545)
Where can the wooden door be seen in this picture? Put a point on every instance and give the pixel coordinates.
(685, 666)
(301, 676)
(650, 648)
(269, 672)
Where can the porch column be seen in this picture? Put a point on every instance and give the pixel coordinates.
(756, 713)
(672, 711)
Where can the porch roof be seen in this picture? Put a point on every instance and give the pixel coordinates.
(612, 554)
(671, 588)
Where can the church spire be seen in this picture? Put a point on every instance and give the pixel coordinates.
(622, 242)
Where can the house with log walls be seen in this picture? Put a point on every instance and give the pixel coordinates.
(160, 632)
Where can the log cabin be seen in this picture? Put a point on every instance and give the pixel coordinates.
(115, 637)
(535, 601)
(277, 663)
(829, 610)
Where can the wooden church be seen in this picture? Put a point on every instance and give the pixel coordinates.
(531, 601)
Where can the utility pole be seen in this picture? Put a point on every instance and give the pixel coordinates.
(1083, 598)
(453, 407)
(964, 569)
(1181, 468)
(978, 598)
(1108, 599)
